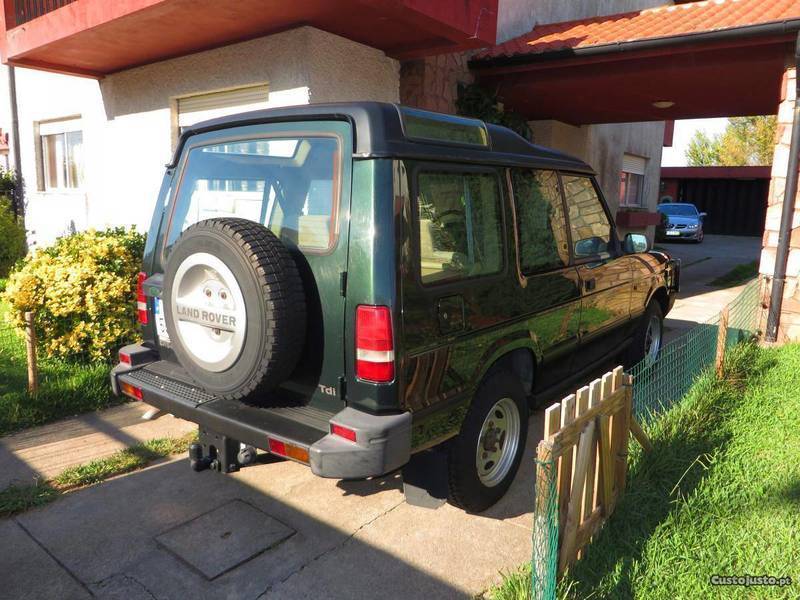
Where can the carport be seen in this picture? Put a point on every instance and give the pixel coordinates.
(735, 198)
(717, 58)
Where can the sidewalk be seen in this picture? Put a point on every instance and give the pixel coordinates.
(43, 452)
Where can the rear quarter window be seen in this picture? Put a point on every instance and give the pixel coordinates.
(459, 225)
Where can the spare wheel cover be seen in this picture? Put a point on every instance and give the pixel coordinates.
(209, 312)
(234, 307)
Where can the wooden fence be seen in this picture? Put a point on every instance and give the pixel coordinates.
(586, 438)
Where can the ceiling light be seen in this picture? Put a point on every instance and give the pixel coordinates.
(664, 104)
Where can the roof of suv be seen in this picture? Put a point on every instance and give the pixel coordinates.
(379, 133)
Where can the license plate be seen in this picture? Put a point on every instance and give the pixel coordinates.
(673, 232)
(161, 323)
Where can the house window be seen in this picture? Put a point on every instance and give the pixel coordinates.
(201, 107)
(631, 181)
(61, 151)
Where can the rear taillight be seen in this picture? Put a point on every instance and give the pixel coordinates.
(141, 299)
(374, 344)
(131, 390)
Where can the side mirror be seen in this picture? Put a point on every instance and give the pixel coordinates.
(589, 246)
(703, 215)
(635, 243)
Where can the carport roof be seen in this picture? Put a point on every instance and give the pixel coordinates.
(702, 59)
(653, 23)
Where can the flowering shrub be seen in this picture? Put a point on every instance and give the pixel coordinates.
(82, 291)
(12, 238)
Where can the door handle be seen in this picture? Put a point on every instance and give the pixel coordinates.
(590, 284)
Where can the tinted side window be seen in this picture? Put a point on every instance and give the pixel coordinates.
(591, 231)
(542, 230)
(459, 223)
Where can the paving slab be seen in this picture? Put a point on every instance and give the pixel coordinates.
(224, 538)
(458, 555)
(29, 572)
(43, 452)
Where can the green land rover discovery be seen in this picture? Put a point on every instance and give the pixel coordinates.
(359, 286)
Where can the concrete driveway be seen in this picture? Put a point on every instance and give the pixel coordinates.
(272, 530)
(701, 264)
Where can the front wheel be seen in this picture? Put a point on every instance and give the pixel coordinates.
(649, 336)
(485, 456)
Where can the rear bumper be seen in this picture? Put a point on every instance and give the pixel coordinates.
(382, 442)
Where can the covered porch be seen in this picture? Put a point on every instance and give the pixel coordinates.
(702, 59)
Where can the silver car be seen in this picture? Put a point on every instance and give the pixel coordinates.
(682, 221)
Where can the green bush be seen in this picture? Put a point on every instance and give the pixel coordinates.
(82, 291)
(12, 238)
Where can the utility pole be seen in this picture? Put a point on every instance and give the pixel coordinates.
(19, 193)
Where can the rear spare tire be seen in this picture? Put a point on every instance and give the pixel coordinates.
(234, 307)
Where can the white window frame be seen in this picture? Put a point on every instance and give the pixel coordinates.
(61, 127)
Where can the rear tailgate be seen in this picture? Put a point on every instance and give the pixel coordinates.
(322, 186)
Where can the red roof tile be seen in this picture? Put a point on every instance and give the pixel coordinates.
(664, 21)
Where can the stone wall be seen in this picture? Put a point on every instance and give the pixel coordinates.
(432, 83)
(790, 317)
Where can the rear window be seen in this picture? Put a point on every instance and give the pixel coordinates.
(288, 184)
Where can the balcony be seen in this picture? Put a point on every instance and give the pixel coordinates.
(99, 37)
(27, 10)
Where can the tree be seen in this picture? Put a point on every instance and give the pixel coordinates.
(703, 151)
(745, 141)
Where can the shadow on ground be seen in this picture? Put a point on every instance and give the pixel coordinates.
(107, 540)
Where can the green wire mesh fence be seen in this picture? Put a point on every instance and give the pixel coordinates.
(657, 386)
(544, 564)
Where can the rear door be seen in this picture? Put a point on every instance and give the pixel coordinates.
(294, 178)
(549, 283)
(605, 273)
(456, 285)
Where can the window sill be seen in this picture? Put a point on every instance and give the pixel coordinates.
(637, 218)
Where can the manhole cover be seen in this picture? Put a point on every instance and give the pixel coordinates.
(224, 538)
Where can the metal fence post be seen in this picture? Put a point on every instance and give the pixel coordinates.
(30, 345)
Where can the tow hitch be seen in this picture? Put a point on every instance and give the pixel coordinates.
(219, 453)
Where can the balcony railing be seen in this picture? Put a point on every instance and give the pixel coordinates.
(27, 10)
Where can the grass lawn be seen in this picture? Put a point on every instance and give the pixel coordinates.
(719, 495)
(65, 388)
(738, 275)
